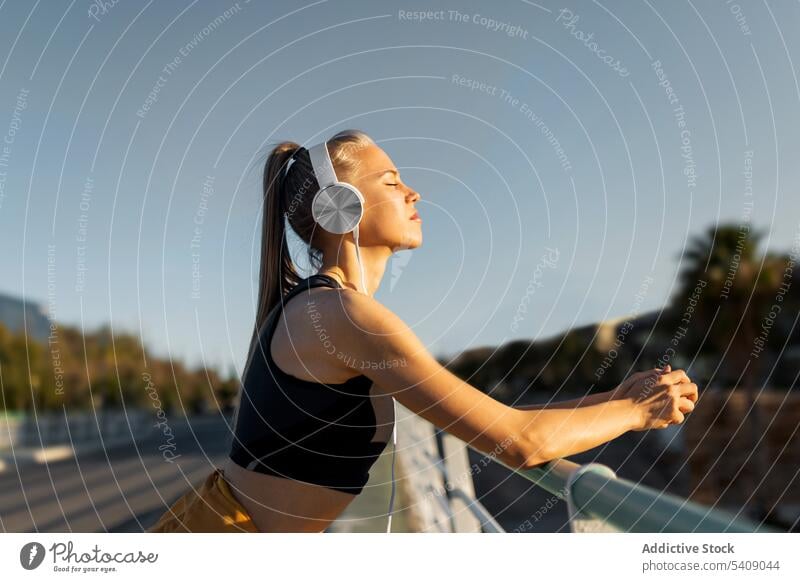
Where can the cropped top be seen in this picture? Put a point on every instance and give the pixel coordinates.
(325, 434)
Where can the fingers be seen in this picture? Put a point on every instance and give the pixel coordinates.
(644, 373)
(685, 386)
(689, 391)
(674, 377)
(633, 378)
(685, 405)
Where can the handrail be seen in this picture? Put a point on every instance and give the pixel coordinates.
(627, 506)
(597, 500)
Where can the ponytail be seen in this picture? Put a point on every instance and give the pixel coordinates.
(277, 273)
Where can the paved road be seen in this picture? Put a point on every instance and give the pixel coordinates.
(127, 488)
(124, 489)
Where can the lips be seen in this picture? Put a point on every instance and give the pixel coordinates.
(415, 216)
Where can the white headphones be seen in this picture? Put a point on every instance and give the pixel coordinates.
(338, 207)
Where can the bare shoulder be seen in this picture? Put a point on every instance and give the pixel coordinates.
(367, 313)
(308, 341)
(329, 335)
(357, 327)
(342, 313)
(376, 336)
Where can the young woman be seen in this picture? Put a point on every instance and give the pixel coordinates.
(326, 359)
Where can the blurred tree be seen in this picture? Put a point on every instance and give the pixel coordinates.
(101, 369)
(742, 287)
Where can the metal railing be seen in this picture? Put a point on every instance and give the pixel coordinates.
(597, 500)
(594, 492)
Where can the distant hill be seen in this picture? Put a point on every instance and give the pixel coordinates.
(17, 314)
(598, 356)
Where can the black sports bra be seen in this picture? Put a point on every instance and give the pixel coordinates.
(325, 434)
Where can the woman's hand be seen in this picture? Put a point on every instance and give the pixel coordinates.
(658, 397)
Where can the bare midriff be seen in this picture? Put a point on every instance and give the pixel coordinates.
(282, 505)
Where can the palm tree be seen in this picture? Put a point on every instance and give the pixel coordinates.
(740, 289)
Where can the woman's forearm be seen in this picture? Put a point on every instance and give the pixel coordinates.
(552, 433)
(588, 400)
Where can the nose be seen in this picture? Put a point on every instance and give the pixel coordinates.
(414, 195)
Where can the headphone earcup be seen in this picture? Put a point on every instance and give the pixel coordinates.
(338, 208)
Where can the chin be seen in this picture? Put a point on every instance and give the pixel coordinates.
(416, 242)
(408, 244)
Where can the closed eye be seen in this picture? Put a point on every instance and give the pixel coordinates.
(391, 184)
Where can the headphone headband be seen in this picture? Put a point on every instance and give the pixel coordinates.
(323, 167)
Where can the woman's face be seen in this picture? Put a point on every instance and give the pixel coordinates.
(389, 203)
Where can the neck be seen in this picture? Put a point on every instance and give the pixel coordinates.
(342, 263)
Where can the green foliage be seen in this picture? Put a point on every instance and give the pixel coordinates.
(102, 370)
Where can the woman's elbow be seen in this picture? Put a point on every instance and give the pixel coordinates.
(532, 452)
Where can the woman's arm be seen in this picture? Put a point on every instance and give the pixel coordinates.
(588, 400)
(585, 423)
(597, 397)
(367, 336)
(572, 430)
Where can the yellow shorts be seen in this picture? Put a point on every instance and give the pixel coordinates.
(210, 508)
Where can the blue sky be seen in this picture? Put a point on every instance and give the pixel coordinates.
(524, 126)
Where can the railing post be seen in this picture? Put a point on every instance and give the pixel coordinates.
(579, 522)
(458, 478)
(422, 475)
